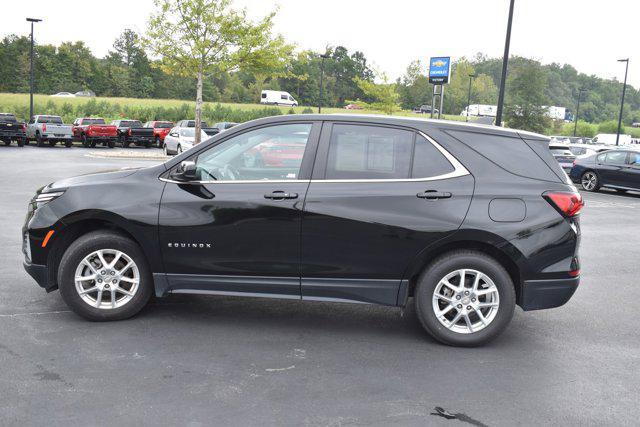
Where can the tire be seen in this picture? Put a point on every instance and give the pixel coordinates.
(7, 142)
(52, 143)
(111, 143)
(68, 143)
(21, 142)
(39, 140)
(92, 143)
(85, 141)
(164, 150)
(157, 142)
(494, 277)
(590, 181)
(126, 305)
(179, 150)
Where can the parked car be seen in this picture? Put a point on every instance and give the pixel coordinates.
(210, 131)
(378, 210)
(563, 155)
(180, 139)
(63, 95)
(424, 109)
(86, 93)
(222, 126)
(616, 169)
(91, 130)
(11, 129)
(352, 107)
(610, 139)
(277, 97)
(51, 129)
(132, 132)
(581, 150)
(160, 130)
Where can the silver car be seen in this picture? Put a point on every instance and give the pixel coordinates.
(180, 139)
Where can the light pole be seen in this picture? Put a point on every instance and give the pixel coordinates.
(323, 56)
(505, 61)
(471, 76)
(575, 125)
(624, 89)
(32, 20)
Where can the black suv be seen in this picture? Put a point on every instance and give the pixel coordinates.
(467, 220)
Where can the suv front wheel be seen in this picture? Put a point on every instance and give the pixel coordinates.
(104, 276)
(465, 298)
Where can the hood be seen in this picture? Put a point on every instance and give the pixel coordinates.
(92, 178)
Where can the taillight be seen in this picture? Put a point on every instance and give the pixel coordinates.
(568, 204)
(24, 127)
(129, 132)
(44, 127)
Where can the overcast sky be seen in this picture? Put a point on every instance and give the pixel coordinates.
(590, 35)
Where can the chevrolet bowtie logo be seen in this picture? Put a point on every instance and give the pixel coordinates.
(190, 245)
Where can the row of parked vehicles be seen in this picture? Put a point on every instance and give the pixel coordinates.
(49, 130)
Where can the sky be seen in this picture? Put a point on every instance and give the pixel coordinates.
(588, 34)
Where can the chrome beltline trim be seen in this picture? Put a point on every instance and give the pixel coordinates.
(458, 171)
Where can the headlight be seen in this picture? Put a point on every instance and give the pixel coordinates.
(47, 197)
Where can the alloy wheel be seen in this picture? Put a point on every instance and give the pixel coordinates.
(589, 181)
(107, 279)
(466, 301)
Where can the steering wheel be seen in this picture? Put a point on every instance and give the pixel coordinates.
(230, 172)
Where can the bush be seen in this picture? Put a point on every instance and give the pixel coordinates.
(610, 126)
(307, 110)
(585, 129)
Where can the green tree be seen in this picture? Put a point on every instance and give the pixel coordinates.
(384, 95)
(197, 37)
(526, 99)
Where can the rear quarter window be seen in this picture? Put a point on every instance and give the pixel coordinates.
(428, 161)
(511, 153)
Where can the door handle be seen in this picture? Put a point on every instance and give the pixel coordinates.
(280, 195)
(434, 195)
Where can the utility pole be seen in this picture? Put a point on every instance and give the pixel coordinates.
(323, 56)
(575, 125)
(624, 89)
(32, 20)
(471, 76)
(505, 61)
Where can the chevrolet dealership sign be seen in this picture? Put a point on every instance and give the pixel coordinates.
(439, 70)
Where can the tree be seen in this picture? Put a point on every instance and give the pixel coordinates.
(526, 99)
(198, 37)
(384, 95)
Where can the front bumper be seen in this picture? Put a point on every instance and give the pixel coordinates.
(541, 294)
(39, 273)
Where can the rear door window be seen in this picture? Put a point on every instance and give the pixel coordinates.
(369, 152)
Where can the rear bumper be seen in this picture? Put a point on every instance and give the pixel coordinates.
(541, 294)
(39, 273)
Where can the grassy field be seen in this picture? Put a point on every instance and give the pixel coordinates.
(143, 109)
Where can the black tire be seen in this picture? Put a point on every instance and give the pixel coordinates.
(178, 149)
(39, 140)
(92, 143)
(450, 262)
(84, 246)
(25, 141)
(157, 142)
(111, 143)
(68, 143)
(85, 141)
(21, 142)
(52, 143)
(7, 142)
(589, 181)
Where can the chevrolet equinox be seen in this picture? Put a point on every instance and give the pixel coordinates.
(465, 220)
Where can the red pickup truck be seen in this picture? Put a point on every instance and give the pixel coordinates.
(93, 130)
(160, 130)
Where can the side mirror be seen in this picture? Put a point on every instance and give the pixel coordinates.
(186, 171)
(174, 134)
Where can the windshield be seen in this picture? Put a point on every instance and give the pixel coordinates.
(131, 124)
(50, 119)
(92, 121)
(7, 118)
(188, 132)
(164, 125)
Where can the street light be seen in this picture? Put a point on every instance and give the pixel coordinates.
(624, 89)
(505, 60)
(471, 77)
(575, 125)
(323, 56)
(32, 20)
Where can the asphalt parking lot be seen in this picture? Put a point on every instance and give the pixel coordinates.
(195, 360)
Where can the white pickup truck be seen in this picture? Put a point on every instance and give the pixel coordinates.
(42, 129)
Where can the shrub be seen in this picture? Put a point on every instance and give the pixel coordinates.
(307, 110)
(585, 129)
(610, 126)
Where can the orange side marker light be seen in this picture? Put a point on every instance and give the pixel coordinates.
(46, 238)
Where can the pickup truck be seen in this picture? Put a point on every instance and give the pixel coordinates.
(160, 130)
(51, 129)
(203, 125)
(132, 131)
(93, 130)
(11, 129)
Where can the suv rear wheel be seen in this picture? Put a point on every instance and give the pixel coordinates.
(465, 298)
(104, 276)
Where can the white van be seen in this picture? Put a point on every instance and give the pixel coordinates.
(277, 97)
(610, 139)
